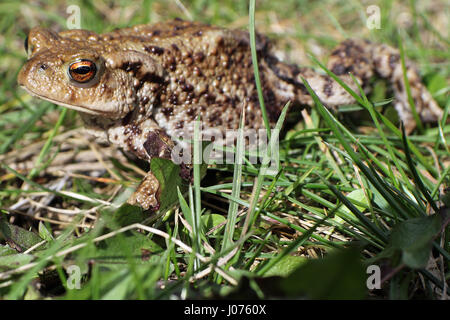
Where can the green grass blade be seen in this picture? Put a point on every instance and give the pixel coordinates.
(236, 189)
(412, 105)
(255, 65)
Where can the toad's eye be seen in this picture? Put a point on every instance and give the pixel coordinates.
(82, 71)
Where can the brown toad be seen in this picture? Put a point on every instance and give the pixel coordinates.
(136, 87)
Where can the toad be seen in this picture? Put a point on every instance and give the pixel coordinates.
(135, 87)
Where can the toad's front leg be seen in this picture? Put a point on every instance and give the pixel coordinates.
(146, 140)
(147, 194)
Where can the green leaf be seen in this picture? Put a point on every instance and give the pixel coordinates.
(20, 237)
(119, 284)
(132, 245)
(286, 266)
(14, 260)
(185, 208)
(212, 220)
(6, 250)
(168, 175)
(413, 238)
(436, 83)
(44, 233)
(128, 214)
(358, 196)
(340, 275)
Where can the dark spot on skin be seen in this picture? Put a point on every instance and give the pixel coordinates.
(179, 124)
(131, 67)
(126, 120)
(336, 52)
(173, 99)
(154, 49)
(273, 109)
(293, 79)
(210, 98)
(198, 33)
(190, 96)
(393, 60)
(151, 77)
(145, 100)
(350, 46)
(199, 56)
(234, 101)
(242, 43)
(197, 71)
(328, 87)
(154, 88)
(156, 33)
(191, 112)
(364, 60)
(338, 69)
(186, 87)
(43, 66)
(132, 130)
(156, 146)
(303, 89)
(167, 111)
(377, 63)
(220, 41)
(214, 117)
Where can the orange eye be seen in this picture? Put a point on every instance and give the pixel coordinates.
(82, 71)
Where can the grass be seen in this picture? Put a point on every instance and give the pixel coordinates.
(350, 192)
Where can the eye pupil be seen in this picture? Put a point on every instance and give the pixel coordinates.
(26, 44)
(82, 71)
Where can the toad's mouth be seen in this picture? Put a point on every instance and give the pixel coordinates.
(79, 108)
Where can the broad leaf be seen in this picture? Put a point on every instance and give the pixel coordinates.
(413, 238)
(286, 266)
(22, 238)
(340, 275)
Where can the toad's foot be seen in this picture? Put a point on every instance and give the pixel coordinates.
(147, 193)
